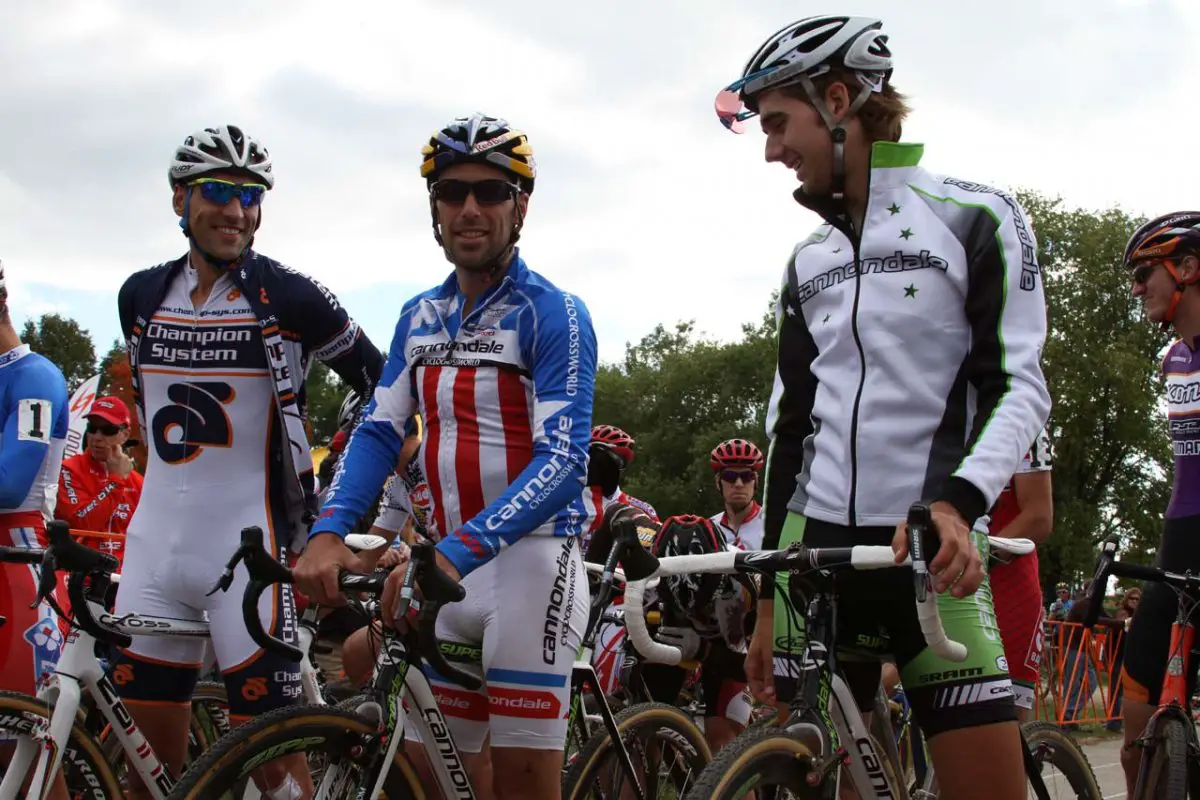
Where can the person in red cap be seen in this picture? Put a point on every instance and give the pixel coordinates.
(98, 489)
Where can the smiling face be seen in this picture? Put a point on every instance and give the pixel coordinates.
(797, 138)
(475, 233)
(224, 231)
(1152, 282)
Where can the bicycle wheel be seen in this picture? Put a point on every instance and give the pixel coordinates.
(334, 739)
(83, 765)
(210, 716)
(647, 730)
(1052, 747)
(1167, 772)
(759, 757)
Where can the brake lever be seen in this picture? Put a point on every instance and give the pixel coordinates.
(47, 578)
(226, 580)
(919, 522)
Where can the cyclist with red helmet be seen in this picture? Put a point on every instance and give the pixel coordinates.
(612, 451)
(736, 464)
(1164, 258)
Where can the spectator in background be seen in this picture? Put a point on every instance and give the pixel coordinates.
(1128, 605)
(98, 489)
(1059, 608)
(1079, 671)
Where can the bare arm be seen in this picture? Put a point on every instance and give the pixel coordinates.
(1035, 495)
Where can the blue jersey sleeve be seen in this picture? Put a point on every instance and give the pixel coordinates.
(35, 415)
(374, 447)
(564, 378)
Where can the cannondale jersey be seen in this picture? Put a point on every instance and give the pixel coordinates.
(209, 407)
(33, 401)
(909, 362)
(505, 391)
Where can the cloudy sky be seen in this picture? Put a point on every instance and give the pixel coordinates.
(646, 206)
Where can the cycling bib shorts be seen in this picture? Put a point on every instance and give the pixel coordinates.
(1149, 637)
(526, 609)
(877, 617)
(31, 639)
(1017, 593)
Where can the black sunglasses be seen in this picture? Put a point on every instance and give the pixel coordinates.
(104, 428)
(490, 192)
(1142, 274)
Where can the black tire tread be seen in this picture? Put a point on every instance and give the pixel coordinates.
(599, 745)
(1169, 770)
(739, 756)
(90, 750)
(1079, 770)
(237, 747)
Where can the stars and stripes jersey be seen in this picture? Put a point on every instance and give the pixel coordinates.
(749, 535)
(505, 392)
(33, 400)
(1038, 459)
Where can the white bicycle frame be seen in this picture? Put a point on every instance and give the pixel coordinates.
(415, 705)
(79, 670)
(866, 765)
(430, 726)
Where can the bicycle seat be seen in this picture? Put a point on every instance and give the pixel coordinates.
(1015, 547)
(364, 541)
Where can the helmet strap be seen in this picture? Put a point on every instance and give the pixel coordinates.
(1176, 296)
(837, 131)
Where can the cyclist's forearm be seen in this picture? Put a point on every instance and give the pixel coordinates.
(1030, 525)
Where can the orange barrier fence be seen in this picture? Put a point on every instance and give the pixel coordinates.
(1080, 674)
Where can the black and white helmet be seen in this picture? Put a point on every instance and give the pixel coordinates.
(349, 411)
(221, 149)
(813, 46)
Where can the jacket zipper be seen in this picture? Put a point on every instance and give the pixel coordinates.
(856, 243)
(862, 380)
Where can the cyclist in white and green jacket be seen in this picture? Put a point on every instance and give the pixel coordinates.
(911, 324)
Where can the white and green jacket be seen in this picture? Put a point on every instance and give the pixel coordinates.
(909, 356)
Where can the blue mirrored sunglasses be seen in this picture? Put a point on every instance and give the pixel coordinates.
(215, 190)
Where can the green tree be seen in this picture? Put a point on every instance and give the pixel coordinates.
(116, 352)
(1112, 455)
(325, 391)
(678, 394)
(61, 340)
